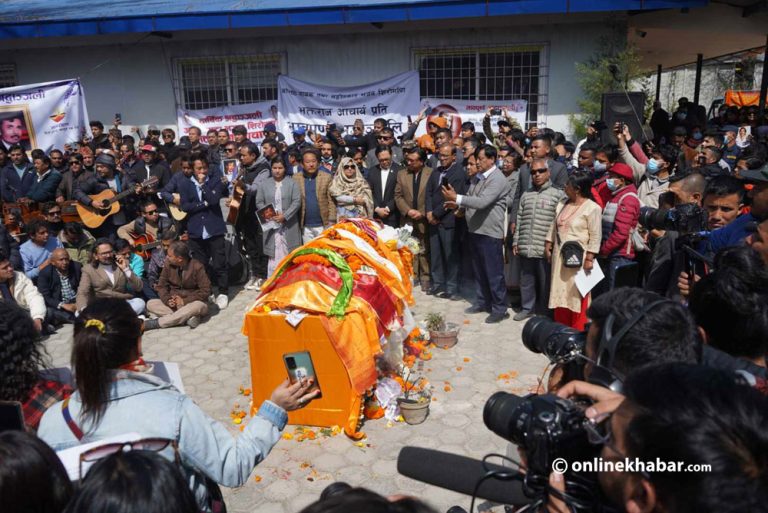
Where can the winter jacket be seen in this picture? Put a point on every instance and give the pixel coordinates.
(534, 219)
(620, 218)
(27, 296)
(649, 187)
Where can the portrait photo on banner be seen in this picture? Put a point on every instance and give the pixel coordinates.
(16, 127)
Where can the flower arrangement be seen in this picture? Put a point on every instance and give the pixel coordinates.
(415, 389)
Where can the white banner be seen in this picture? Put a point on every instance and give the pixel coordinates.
(45, 116)
(254, 116)
(313, 106)
(461, 111)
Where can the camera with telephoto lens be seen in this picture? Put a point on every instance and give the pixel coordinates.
(547, 428)
(685, 219)
(559, 343)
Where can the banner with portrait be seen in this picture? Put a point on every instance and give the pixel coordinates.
(253, 116)
(461, 111)
(313, 106)
(46, 115)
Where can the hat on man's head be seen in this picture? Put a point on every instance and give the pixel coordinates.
(755, 175)
(270, 127)
(107, 160)
(149, 148)
(679, 130)
(300, 131)
(598, 124)
(622, 170)
(439, 121)
(730, 128)
(503, 122)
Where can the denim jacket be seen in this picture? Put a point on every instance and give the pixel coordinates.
(145, 404)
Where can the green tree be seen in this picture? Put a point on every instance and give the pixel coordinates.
(595, 76)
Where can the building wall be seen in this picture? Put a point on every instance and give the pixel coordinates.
(136, 80)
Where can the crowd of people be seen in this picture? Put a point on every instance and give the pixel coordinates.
(507, 218)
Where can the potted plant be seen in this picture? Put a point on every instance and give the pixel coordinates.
(414, 403)
(443, 334)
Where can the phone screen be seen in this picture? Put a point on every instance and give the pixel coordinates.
(11, 416)
(300, 367)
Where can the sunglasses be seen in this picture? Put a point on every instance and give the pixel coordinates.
(538, 171)
(75, 163)
(54, 213)
(385, 137)
(231, 149)
(349, 166)
(91, 456)
(150, 212)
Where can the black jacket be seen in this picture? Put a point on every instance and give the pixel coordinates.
(457, 178)
(50, 286)
(374, 180)
(10, 248)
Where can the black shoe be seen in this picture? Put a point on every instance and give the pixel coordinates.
(431, 291)
(444, 295)
(476, 309)
(496, 317)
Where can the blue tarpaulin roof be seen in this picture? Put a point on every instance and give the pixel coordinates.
(51, 18)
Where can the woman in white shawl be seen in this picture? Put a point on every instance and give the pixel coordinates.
(350, 191)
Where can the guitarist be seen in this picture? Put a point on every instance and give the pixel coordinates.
(149, 165)
(149, 223)
(254, 170)
(105, 178)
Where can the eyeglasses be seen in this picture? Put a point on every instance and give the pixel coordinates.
(350, 166)
(538, 171)
(231, 149)
(75, 163)
(150, 212)
(384, 137)
(54, 213)
(167, 136)
(89, 457)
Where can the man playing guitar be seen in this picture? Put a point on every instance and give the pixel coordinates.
(148, 228)
(105, 178)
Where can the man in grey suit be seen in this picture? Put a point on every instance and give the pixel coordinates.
(541, 148)
(484, 206)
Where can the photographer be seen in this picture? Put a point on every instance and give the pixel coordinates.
(668, 259)
(678, 413)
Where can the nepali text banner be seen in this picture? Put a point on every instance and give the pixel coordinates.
(253, 116)
(461, 111)
(46, 115)
(312, 106)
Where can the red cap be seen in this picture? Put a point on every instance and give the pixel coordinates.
(622, 170)
(149, 147)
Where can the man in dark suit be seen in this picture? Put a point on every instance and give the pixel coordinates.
(541, 148)
(382, 179)
(58, 284)
(17, 177)
(445, 255)
(200, 198)
(46, 181)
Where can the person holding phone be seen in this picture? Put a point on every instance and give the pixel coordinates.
(116, 395)
(445, 255)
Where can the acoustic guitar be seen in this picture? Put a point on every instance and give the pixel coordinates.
(176, 212)
(238, 193)
(94, 216)
(143, 244)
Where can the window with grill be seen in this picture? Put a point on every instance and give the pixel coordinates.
(7, 75)
(486, 74)
(213, 82)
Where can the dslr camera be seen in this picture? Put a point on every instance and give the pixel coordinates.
(688, 218)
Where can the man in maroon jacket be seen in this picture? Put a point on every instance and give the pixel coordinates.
(620, 217)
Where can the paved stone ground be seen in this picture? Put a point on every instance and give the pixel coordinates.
(214, 364)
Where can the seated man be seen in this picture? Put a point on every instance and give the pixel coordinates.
(150, 223)
(184, 288)
(16, 288)
(58, 284)
(36, 252)
(77, 242)
(108, 276)
(157, 260)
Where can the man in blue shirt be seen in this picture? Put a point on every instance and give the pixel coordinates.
(735, 233)
(36, 252)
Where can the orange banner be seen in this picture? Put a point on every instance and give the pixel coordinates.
(742, 98)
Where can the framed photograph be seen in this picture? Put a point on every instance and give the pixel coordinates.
(265, 215)
(230, 168)
(16, 127)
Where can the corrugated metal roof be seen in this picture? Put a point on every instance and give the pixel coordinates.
(56, 18)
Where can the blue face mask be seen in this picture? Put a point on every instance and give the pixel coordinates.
(612, 184)
(527, 141)
(499, 163)
(653, 166)
(600, 167)
(697, 136)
